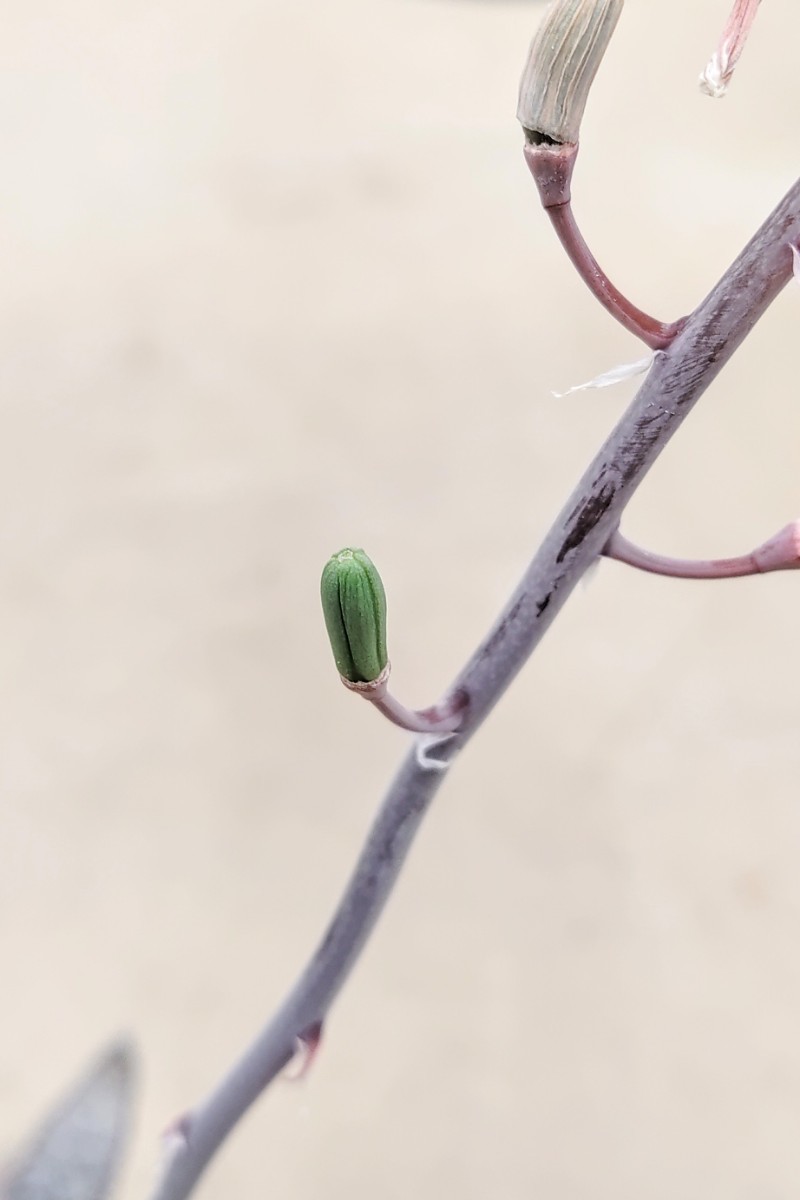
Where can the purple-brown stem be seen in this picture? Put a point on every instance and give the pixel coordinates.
(780, 553)
(552, 167)
(677, 380)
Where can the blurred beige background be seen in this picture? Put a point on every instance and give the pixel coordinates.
(275, 280)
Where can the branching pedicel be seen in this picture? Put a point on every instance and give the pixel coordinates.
(779, 553)
(564, 58)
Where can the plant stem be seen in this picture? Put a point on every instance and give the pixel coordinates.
(676, 381)
(655, 334)
(445, 718)
(552, 167)
(780, 553)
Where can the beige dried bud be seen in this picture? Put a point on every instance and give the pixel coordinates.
(563, 60)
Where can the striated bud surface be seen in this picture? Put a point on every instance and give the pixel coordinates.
(563, 60)
(354, 607)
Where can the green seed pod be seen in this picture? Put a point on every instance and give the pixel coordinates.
(354, 607)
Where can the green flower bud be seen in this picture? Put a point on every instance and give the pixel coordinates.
(354, 607)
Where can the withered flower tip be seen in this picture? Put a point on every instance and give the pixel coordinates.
(564, 57)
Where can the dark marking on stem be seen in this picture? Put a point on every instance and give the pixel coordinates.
(501, 631)
(585, 517)
(647, 434)
(541, 605)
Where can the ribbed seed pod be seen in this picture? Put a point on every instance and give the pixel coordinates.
(354, 607)
(563, 60)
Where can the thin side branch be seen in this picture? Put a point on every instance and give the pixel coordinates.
(780, 553)
(676, 381)
(439, 718)
(654, 333)
(551, 167)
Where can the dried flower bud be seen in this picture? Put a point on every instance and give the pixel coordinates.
(354, 607)
(719, 70)
(563, 60)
